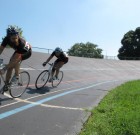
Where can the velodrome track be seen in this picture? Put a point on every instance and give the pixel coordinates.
(62, 110)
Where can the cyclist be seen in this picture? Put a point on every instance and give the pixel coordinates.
(22, 52)
(62, 59)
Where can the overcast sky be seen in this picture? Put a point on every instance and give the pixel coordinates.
(52, 23)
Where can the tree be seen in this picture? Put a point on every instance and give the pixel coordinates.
(85, 50)
(130, 49)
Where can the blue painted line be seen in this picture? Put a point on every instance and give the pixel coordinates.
(17, 110)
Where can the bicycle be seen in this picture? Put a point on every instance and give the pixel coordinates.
(46, 76)
(18, 88)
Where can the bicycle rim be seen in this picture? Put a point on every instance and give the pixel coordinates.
(42, 79)
(1, 88)
(56, 82)
(16, 90)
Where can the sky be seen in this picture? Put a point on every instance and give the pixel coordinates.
(52, 23)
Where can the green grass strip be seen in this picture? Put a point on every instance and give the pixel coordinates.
(118, 113)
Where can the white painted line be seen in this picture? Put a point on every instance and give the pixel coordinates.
(50, 106)
(28, 106)
(32, 97)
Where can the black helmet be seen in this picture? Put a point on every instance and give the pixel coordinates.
(57, 49)
(11, 30)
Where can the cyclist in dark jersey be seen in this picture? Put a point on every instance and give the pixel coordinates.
(62, 59)
(22, 52)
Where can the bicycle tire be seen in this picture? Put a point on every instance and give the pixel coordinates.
(16, 90)
(1, 88)
(42, 79)
(56, 82)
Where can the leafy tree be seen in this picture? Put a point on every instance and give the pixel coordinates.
(85, 50)
(130, 49)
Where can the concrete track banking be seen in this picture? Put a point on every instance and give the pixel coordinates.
(62, 110)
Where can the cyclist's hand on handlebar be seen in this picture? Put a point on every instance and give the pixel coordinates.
(44, 64)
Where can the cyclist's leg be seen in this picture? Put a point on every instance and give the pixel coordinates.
(17, 68)
(58, 64)
(8, 75)
(23, 57)
(54, 67)
(14, 62)
(57, 67)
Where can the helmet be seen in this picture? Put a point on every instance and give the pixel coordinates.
(57, 49)
(11, 30)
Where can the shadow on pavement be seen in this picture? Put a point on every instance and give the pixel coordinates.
(5, 99)
(39, 91)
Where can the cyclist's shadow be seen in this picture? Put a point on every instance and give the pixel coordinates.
(43, 90)
(3, 99)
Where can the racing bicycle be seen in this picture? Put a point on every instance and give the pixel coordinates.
(46, 76)
(18, 88)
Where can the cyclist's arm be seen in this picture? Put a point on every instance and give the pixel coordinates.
(49, 59)
(4, 43)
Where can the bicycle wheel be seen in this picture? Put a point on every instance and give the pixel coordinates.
(42, 79)
(18, 88)
(1, 88)
(57, 81)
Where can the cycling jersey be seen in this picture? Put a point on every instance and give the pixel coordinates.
(61, 57)
(22, 48)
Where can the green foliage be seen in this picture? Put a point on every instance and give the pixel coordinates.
(130, 49)
(118, 113)
(85, 50)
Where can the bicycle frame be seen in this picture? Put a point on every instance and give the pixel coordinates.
(2, 66)
(46, 75)
(17, 89)
(50, 69)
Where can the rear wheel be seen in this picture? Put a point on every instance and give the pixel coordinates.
(57, 81)
(18, 88)
(42, 79)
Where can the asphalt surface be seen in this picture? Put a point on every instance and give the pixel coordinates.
(62, 110)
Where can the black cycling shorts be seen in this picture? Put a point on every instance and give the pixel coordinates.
(64, 60)
(25, 55)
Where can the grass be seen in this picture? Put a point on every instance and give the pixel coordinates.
(118, 113)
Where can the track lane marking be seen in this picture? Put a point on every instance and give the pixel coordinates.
(25, 107)
(34, 96)
(46, 93)
(50, 106)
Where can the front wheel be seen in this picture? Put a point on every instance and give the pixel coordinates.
(18, 88)
(42, 79)
(57, 81)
